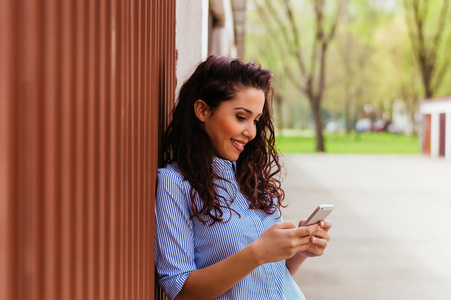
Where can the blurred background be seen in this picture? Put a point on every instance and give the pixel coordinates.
(368, 83)
(352, 72)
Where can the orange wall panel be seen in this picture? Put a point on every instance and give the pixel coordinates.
(85, 92)
(426, 133)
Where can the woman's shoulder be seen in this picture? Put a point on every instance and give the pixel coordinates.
(172, 189)
(171, 174)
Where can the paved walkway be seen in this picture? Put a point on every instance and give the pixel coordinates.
(391, 237)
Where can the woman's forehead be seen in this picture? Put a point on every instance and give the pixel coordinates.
(250, 100)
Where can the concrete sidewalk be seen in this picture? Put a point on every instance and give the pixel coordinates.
(391, 235)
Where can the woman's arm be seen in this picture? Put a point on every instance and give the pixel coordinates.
(279, 242)
(319, 240)
(294, 263)
(215, 280)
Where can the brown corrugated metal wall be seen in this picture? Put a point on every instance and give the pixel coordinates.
(84, 90)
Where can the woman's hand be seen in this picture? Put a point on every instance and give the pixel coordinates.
(283, 240)
(318, 243)
(319, 239)
(280, 241)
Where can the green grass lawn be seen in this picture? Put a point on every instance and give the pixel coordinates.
(362, 143)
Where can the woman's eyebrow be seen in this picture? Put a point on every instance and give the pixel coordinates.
(245, 109)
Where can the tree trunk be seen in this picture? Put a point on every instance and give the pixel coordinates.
(279, 113)
(414, 127)
(413, 104)
(318, 125)
(357, 108)
(427, 78)
(348, 123)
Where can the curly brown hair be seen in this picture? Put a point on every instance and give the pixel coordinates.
(216, 80)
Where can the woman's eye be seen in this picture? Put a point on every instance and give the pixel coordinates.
(240, 118)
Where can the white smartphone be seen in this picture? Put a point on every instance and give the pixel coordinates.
(320, 213)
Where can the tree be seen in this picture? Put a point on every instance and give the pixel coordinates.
(354, 72)
(271, 55)
(353, 57)
(428, 41)
(311, 73)
(402, 79)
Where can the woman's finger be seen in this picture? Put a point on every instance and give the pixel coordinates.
(318, 246)
(303, 231)
(325, 224)
(317, 242)
(301, 223)
(322, 234)
(285, 225)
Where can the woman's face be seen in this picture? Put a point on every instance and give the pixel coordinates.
(234, 123)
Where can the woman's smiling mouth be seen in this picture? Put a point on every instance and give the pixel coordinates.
(239, 145)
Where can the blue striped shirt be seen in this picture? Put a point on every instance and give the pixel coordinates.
(184, 244)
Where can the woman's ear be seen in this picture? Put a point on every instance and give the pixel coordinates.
(201, 110)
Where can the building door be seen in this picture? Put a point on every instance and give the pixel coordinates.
(442, 135)
(426, 134)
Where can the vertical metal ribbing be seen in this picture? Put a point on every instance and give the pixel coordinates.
(7, 155)
(80, 119)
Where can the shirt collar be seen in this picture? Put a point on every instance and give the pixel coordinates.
(223, 167)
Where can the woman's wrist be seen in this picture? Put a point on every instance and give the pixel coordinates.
(256, 254)
(295, 262)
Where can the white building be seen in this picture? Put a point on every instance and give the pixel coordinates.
(206, 27)
(435, 129)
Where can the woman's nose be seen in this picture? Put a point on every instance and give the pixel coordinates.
(250, 131)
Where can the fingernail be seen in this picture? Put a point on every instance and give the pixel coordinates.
(313, 239)
(321, 224)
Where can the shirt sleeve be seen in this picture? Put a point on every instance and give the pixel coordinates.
(174, 238)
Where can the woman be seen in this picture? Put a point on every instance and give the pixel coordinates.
(219, 232)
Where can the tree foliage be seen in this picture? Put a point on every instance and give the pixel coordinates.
(428, 23)
(309, 74)
(381, 54)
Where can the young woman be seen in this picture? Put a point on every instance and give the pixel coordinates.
(218, 228)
